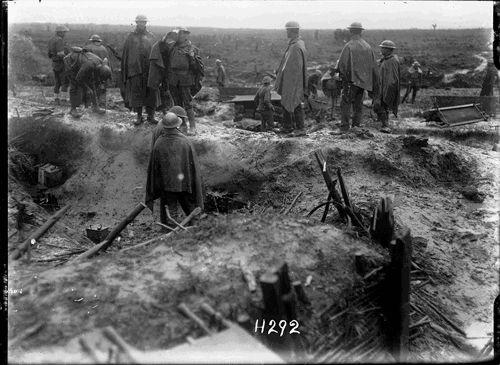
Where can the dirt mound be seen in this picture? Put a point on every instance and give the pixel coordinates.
(430, 165)
(200, 265)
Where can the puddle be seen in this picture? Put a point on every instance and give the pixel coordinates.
(477, 333)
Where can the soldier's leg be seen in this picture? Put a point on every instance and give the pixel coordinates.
(263, 121)
(383, 114)
(414, 94)
(169, 200)
(187, 101)
(174, 92)
(357, 105)
(298, 115)
(407, 93)
(287, 121)
(345, 106)
(57, 86)
(75, 98)
(64, 87)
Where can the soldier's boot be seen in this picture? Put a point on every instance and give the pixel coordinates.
(96, 109)
(192, 123)
(151, 115)
(139, 116)
(74, 113)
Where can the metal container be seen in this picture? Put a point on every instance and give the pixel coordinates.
(97, 234)
(50, 175)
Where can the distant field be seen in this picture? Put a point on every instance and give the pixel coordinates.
(249, 53)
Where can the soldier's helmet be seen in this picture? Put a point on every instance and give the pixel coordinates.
(104, 72)
(61, 28)
(319, 73)
(179, 111)
(141, 18)
(218, 61)
(388, 44)
(292, 24)
(356, 25)
(170, 120)
(95, 38)
(182, 29)
(267, 80)
(416, 64)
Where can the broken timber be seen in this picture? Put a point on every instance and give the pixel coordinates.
(113, 234)
(398, 307)
(18, 252)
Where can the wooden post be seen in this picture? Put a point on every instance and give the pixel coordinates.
(301, 294)
(269, 284)
(112, 235)
(18, 252)
(398, 308)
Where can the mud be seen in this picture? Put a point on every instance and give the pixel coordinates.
(136, 292)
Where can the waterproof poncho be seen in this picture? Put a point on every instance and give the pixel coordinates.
(173, 166)
(291, 81)
(390, 82)
(358, 65)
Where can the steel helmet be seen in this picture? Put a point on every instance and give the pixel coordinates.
(416, 64)
(170, 120)
(61, 28)
(319, 73)
(179, 111)
(388, 44)
(356, 25)
(292, 24)
(95, 38)
(141, 18)
(267, 80)
(218, 61)
(182, 29)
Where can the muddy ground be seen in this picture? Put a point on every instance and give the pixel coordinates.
(105, 160)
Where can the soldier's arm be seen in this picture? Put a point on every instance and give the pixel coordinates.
(60, 48)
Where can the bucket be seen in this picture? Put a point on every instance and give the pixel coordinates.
(97, 234)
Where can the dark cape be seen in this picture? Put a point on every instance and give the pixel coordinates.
(390, 82)
(173, 166)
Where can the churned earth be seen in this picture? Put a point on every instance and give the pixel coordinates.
(105, 159)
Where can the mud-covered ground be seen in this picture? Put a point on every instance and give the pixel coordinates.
(105, 159)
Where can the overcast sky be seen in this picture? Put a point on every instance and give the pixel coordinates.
(260, 14)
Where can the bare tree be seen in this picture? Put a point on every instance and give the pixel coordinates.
(434, 26)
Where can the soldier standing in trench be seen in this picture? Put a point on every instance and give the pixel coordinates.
(98, 49)
(291, 81)
(264, 106)
(388, 98)
(358, 70)
(414, 82)
(135, 70)
(220, 73)
(57, 50)
(174, 173)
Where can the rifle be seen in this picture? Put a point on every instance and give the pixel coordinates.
(114, 52)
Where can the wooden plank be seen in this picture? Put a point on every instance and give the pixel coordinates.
(18, 251)
(398, 308)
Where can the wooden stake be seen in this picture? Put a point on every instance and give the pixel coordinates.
(185, 310)
(112, 235)
(399, 307)
(18, 252)
(269, 284)
(293, 203)
(186, 220)
(248, 275)
(301, 294)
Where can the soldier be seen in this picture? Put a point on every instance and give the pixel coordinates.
(414, 82)
(85, 70)
(388, 99)
(158, 131)
(57, 51)
(265, 107)
(358, 71)
(312, 87)
(291, 81)
(174, 173)
(135, 70)
(220, 74)
(491, 79)
(98, 49)
(185, 71)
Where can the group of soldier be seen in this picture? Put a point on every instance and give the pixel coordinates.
(156, 74)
